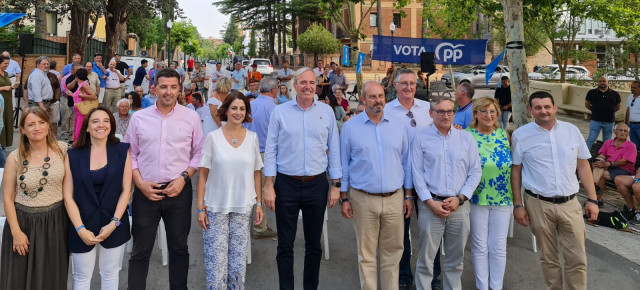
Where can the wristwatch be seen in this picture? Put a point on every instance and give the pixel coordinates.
(116, 221)
(343, 200)
(460, 200)
(336, 184)
(185, 175)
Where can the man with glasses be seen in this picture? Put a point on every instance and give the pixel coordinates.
(464, 114)
(632, 117)
(616, 157)
(446, 170)
(413, 114)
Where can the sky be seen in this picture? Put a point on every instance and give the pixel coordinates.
(204, 16)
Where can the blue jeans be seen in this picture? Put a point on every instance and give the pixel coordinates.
(504, 119)
(594, 131)
(634, 133)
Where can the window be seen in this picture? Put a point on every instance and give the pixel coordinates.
(397, 20)
(373, 19)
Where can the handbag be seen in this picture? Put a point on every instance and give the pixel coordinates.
(85, 107)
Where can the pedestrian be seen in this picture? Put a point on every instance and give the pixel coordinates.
(464, 114)
(340, 115)
(387, 84)
(75, 59)
(492, 200)
(141, 74)
(150, 99)
(323, 88)
(228, 187)
(550, 207)
(503, 94)
(616, 157)
(296, 152)
(125, 71)
(69, 86)
(96, 189)
(6, 89)
(101, 72)
(283, 95)
(632, 117)
(446, 170)
(211, 120)
(239, 76)
(35, 232)
(285, 75)
(253, 75)
(376, 164)
(218, 73)
(338, 78)
(200, 76)
(112, 87)
(414, 114)
(338, 92)
(54, 104)
(261, 109)
(84, 92)
(135, 102)
(319, 69)
(94, 81)
(603, 102)
(122, 117)
(163, 194)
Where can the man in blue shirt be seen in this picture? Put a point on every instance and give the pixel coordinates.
(300, 134)
(374, 150)
(239, 76)
(76, 58)
(261, 109)
(141, 73)
(464, 114)
(150, 99)
(102, 72)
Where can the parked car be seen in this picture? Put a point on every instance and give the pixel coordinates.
(552, 72)
(134, 64)
(475, 74)
(264, 65)
(622, 74)
(239, 58)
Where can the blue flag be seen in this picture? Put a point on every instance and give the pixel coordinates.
(345, 56)
(447, 51)
(491, 68)
(361, 57)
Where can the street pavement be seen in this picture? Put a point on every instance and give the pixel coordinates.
(613, 256)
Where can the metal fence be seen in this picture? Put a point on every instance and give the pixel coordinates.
(47, 47)
(93, 47)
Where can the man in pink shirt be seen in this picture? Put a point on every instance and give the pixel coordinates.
(166, 141)
(616, 157)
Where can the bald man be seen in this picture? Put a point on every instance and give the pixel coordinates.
(603, 102)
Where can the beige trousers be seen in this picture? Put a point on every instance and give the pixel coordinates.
(379, 225)
(562, 224)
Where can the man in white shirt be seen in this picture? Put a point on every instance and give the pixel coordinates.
(285, 75)
(446, 170)
(546, 154)
(218, 73)
(319, 68)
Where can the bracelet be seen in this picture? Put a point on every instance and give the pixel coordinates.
(636, 180)
(592, 201)
(116, 221)
(411, 197)
(79, 228)
(202, 209)
(519, 206)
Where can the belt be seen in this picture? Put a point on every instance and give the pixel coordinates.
(635, 123)
(384, 194)
(44, 101)
(438, 197)
(113, 88)
(559, 199)
(304, 178)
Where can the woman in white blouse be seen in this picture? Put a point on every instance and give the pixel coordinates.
(228, 187)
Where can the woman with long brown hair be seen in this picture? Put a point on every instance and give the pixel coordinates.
(35, 233)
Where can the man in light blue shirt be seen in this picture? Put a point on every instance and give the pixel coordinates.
(13, 70)
(464, 114)
(76, 58)
(102, 73)
(375, 161)
(150, 99)
(300, 135)
(446, 170)
(285, 75)
(239, 76)
(261, 109)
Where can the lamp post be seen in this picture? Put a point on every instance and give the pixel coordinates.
(392, 27)
(169, 25)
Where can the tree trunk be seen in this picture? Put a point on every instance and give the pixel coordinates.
(284, 26)
(425, 21)
(294, 33)
(379, 16)
(40, 19)
(115, 18)
(278, 31)
(78, 40)
(514, 28)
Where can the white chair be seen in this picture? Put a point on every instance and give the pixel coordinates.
(534, 245)
(325, 233)
(249, 246)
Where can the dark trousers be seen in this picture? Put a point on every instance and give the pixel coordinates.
(406, 276)
(146, 214)
(291, 197)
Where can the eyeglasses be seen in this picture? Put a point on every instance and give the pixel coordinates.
(621, 130)
(443, 112)
(407, 84)
(413, 121)
(488, 113)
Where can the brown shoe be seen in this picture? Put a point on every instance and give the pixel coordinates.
(268, 233)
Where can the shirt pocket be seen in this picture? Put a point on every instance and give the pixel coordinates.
(568, 156)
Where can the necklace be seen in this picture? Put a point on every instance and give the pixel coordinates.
(43, 180)
(234, 141)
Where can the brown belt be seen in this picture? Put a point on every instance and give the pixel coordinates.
(113, 88)
(384, 194)
(305, 178)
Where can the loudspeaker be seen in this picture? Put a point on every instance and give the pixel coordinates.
(25, 43)
(427, 64)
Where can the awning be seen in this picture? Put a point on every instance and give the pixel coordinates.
(7, 18)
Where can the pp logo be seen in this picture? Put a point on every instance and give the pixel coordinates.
(449, 52)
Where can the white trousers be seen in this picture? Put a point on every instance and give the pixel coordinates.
(83, 264)
(489, 229)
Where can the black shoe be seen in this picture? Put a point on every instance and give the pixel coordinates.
(404, 286)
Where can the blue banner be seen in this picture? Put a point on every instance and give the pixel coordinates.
(447, 51)
(345, 56)
(361, 57)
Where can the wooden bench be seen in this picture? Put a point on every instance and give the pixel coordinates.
(440, 88)
(594, 153)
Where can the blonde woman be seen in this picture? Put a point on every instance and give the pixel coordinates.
(35, 233)
(492, 200)
(211, 120)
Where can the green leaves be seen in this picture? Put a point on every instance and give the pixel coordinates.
(318, 40)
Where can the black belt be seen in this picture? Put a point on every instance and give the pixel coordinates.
(113, 88)
(44, 101)
(304, 178)
(384, 194)
(635, 123)
(438, 197)
(560, 199)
